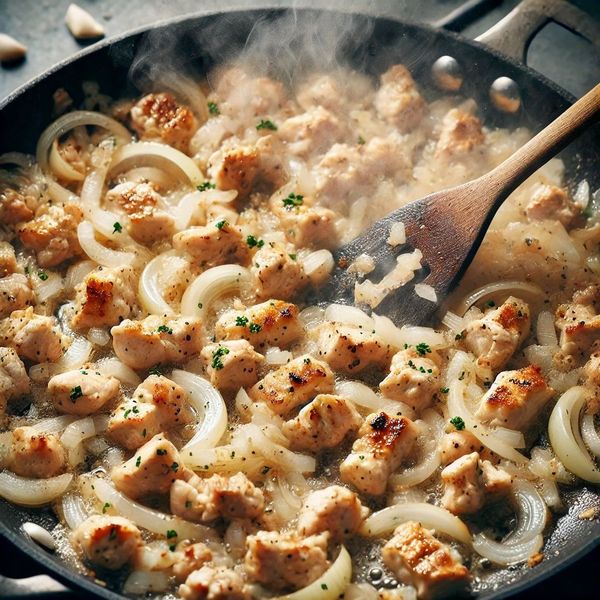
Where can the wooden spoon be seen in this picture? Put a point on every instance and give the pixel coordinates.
(448, 226)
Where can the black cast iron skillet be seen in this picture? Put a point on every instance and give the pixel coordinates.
(368, 43)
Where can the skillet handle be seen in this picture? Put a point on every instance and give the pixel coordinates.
(38, 586)
(513, 34)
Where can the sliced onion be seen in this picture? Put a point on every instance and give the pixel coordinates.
(209, 406)
(426, 292)
(348, 315)
(149, 290)
(506, 554)
(97, 252)
(152, 520)
(74, 511)
(545, 331)
(563, 430)
(32, 492)
(82, 429)
(59, 166)
(360, 394)
(115, 368)
(77, 272)
(498, 286)
(76, 355)
(214, 283)
(140, 583)
(52, 286)
(186, 208)
(582, 194)
(318, 265)
(430, 516)
(312, 316)
(156, 154)
(156, 176)
(590, 435)
(453, 322)
(276, 356)
(98, 336)
(413, 335)
(331, 584)
(54, 424)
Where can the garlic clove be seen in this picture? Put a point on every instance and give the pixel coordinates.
(81, 24)
(10, 49)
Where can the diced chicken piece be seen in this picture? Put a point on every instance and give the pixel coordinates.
(312, 132)
(293, 384)
(34, 337)
(217, 243)
(15, 293)
(204, 500)
(272, 166)
(150, 471)
(277, 272)
(36, 454)
(108, 542)
(495, 480)
(321, 91)
(148, 222)
(579, 324)
(398, 101)
(552, 202)
(334, 509)
(214, 583)
(417, 558)
(157, 340)
(14, 381)
(323, 423)
(414, 377)
(496, 336)
(190, 557)
(305, 225)
(8, 260)
(351, 349)
(105, 297)
(460, 134)
(284, 560)
(159, 117)
(132, 424)
(458, 443)
(340, 172)
(52, 234)
(272, 323)
(82, 391)
(384, 443)
(232, 365)
(15, 207)
(515, 398)
(463, 491)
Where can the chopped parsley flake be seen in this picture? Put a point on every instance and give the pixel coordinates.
(293, 200)
(213, 109)
(324, 586)
(200, 305)
(490, 303)
(42, 275)
(172, 547)
(292, 256)
(164, 329)
(423, 348)
(217, 363)
(171, 533)
(106, 506)
(253, 242)
(221, 224)
(83, 372)
(138, 462)
(174, 466)
(156, 370)
(161, 452)
(75, 393)
(254, 327)
(117, 227)
(458, 423)
(361, 140)
(266, 124)
(205, 185)
(444, 390)
(126, 414)
(241, 321)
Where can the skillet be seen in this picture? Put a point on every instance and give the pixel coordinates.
(194, 44)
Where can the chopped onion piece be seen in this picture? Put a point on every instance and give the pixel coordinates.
(312, 316)
(52, 286)
(186, 207)
(98, 336)
(82, 429)
(545, 331)
(116, 368)
(140, 583)
(426, 292)
(348, 315)
(318, 265)
(276, 356)
(149, 291)
(498, 286)
(77, 354)
(32, 492)
(582, 194)
(360, 394)
(74, 511)
(506, 554)
(77, 272)
(397, 234)
(97, 252)
(362, 264)
(453, 322)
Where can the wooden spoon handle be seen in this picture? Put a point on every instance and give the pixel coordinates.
(548, 142)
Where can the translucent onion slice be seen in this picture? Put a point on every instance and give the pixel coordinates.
(506, 554)
(76, 355)
(545, 331)
(152, 520)
(318, 265)
(32, 492)
(144, 582)
(52, 286)
(82, 429)
(348, 315)
(186, 208)
(590, 435)
(74, 511)
(54, 424)
(77, 272)
(209, 406)
(331, 584)
(276, 356)
(312, 316)
(149, 290)
(360, 394)
(156, 154)
(453, 322)
(211, 285)
(118, 369)
(563, 430)
(97, 252)
(98, 336)
(59, 166)
(425, 291)
(433, 517)
(529, 289)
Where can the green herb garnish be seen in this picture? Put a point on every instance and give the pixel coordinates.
(217, 363)
(164, 329)
(458, 423)
(254, 327)
(106, 506)
(241, 321)
(423, 348)
(221, 224)
(42, 275)
(205, 185)
(171, 533)
(117, 227)
(293, 200)
(266, 124)
(213, 109)
(75, 393)
(253, 242)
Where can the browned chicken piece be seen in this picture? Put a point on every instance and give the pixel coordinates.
(52, 234)
(82, 391)
(14, 381)
(579, 323)
(352, 349)
(132, 424)
(463, 490)
(496, 336)
(15, 207)
(293, 384)
(190, 557)
(591, 370)
(414, 378)
(157, 340)
(383, 444)
(286, 560)
(232, 365)
(148, 221)
(461, 133)
(386, 156)
(214, 583)
(417, 558)
(458, 443)
(334, 509)
(159, 117)
(496, 481)
(552, 202)
(150, 471)
(205, 500)
(277, 272)
(398, 101)
(105, 297)
(515, 398)
(36, 454)
(272, 323)
(217, 243)
(323, 423)
(8, 260)
(15, 293)
(321, 91)
(72, 152)
(305, 225)
(34, 337)
(108, 542)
